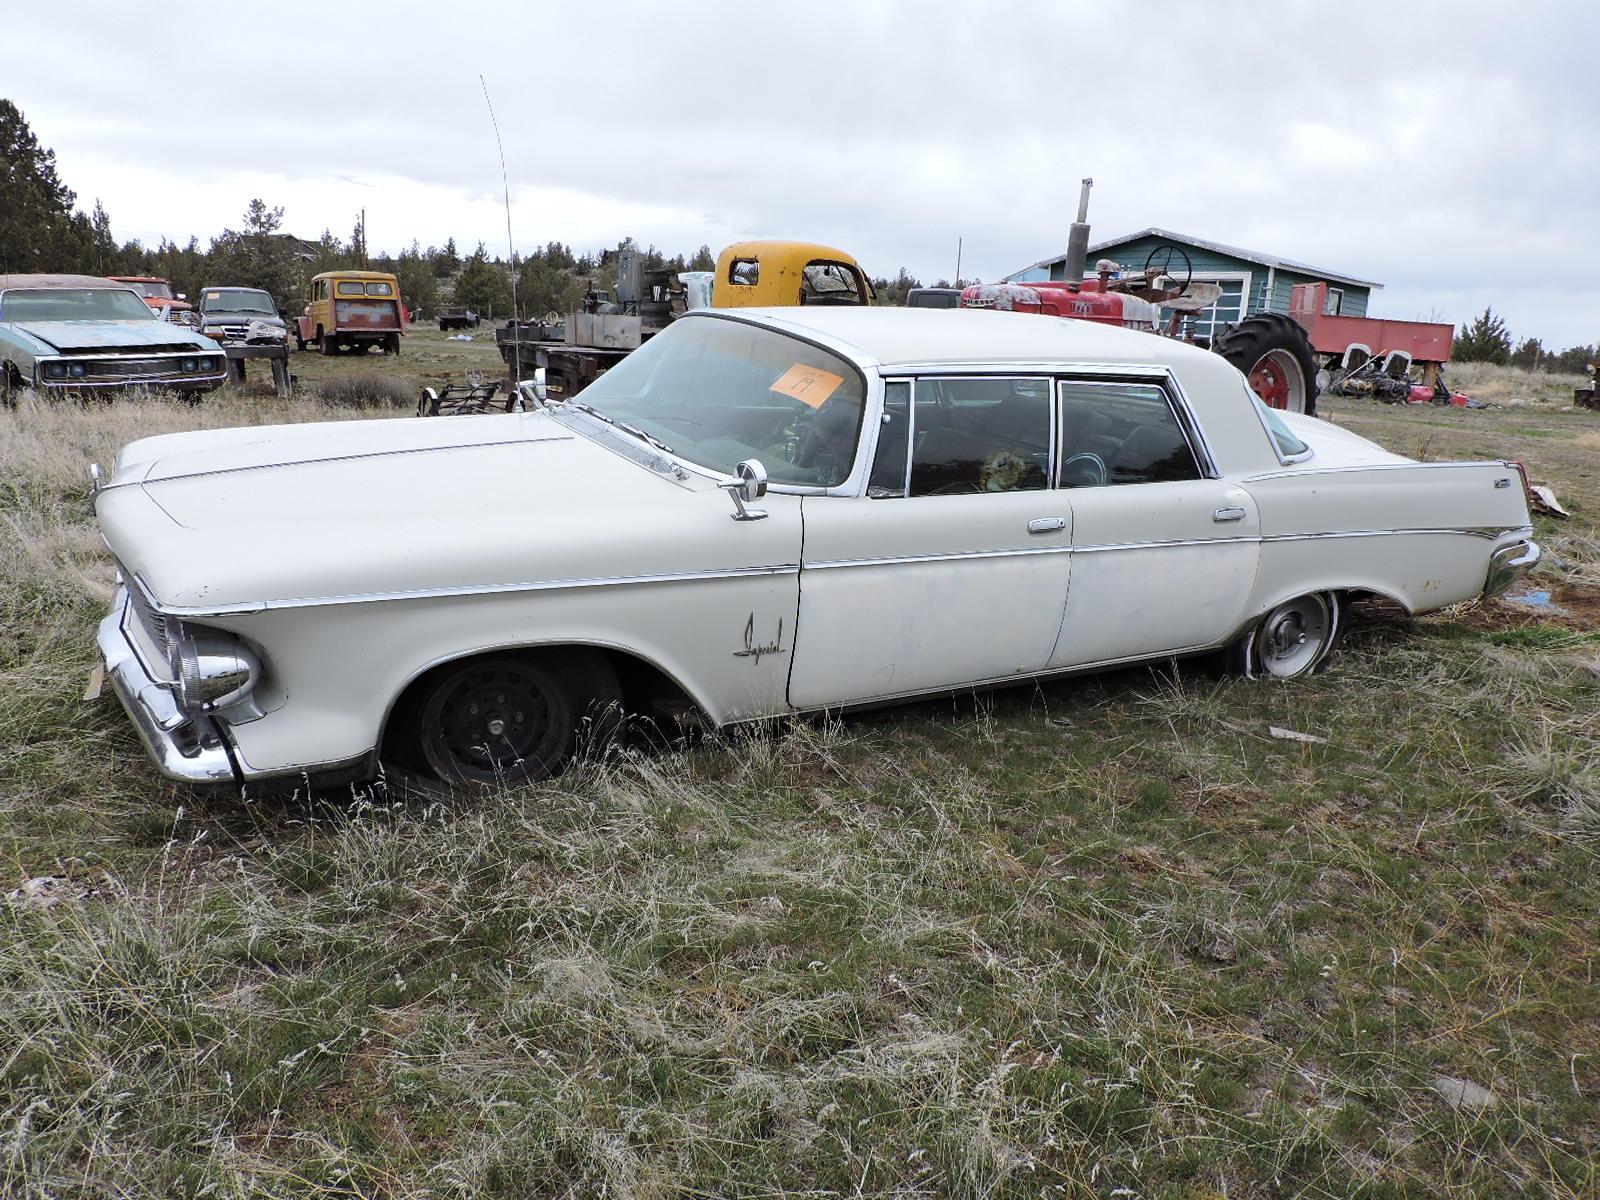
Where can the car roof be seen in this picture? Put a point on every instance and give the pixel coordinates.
(919, 336)
(354, 275)
(59, 281)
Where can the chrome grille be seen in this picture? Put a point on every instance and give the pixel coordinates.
(152, 622)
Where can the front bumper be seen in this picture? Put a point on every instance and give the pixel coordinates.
(183, 748)
(1509, 564)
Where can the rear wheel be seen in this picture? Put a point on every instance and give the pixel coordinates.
(516, 717)
(327, 343)
(1276, 357)
(1293, 639)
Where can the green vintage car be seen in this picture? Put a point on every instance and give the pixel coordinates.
(81, 333)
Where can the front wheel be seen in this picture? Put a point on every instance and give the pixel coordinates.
(1276, 356)
(512, 718)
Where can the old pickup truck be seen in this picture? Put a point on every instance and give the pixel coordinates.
(352, 310)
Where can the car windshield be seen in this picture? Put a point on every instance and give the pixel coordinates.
(718, 391)
(237, 300)
(152, 291)
(74, 304)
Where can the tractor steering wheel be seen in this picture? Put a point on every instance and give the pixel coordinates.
(1161, 258)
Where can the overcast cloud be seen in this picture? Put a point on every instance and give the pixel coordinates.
(1449, 150)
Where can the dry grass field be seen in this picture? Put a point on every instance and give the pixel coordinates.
(1105, 938)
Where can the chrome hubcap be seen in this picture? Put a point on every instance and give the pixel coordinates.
(1294, 635)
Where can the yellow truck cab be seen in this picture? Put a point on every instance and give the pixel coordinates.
(351, 310)
(762, 274)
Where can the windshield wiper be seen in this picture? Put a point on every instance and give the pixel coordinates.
(622, 425)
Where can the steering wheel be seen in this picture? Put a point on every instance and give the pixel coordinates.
(1162, 257)
(1088, 466)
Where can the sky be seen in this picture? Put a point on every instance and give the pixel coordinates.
(1450, 150)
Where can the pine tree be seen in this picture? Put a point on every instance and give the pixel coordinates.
(37, 230)
(1487, 339)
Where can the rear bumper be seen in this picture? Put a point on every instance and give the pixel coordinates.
(1509, 564)
(182, 747)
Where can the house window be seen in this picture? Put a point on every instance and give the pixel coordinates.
(1334, 302)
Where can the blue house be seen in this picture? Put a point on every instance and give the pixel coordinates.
(1251, 281)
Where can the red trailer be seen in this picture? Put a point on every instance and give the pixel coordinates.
(1426, 342)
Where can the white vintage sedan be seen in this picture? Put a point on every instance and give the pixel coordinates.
(760, 512)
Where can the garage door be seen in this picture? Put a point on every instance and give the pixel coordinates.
(1226, 311)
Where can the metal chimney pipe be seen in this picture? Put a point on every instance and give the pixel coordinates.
(1078, 239)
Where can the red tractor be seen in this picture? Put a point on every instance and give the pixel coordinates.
(1271, 349)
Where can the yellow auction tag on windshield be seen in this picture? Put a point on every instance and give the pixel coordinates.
(809, 385)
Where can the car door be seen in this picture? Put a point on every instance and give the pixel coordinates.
(953, 569)
(1164, 553)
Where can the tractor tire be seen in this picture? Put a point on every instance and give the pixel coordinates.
(1276, 357)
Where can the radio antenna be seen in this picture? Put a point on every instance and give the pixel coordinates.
(511, 249)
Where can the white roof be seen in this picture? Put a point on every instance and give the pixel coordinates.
(902, 339)
(1184, 239)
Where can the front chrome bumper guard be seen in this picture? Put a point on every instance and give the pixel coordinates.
(182, 748)
(1509, 564)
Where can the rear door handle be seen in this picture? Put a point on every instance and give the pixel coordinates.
(1047, 524)
(1228, 514)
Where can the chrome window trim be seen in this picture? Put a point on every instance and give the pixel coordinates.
(490, 589)
(1266, 428)
(1182, 416)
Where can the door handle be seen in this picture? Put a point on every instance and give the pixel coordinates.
(1228, 514)
(1047, 524)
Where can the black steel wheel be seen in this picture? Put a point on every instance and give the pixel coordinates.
(516, 717)
(1275, 355)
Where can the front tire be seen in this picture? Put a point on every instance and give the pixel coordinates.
(1276, 356)
(513, 718)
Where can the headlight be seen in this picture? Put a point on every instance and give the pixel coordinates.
(188, 364)
(79, 370)
(55, 370)
(210, 669)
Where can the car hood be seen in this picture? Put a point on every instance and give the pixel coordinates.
(113, 335)
(226, 316)
(236, 520)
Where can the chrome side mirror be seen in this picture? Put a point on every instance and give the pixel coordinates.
(746, 485)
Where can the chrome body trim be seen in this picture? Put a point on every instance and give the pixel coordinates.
(491, 589)
(255, 606)
(1408, 465)
(190, 751)
(338, 458)
(1116, 547)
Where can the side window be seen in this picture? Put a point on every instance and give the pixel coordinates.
(888, 476)
(1114, 433)
(980, 435)
(746, 272)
